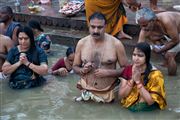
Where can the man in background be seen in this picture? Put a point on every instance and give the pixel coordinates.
(7, 26)
(163, 30)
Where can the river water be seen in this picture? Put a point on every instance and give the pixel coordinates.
(54, 100)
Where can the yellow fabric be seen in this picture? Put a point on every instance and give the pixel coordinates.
(110, 8)
(154, 85)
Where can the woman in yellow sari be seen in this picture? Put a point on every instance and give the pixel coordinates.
(142, 85)
(114, 12)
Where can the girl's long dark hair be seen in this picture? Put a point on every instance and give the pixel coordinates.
(145, 48)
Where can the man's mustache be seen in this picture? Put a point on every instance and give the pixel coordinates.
(97, 34)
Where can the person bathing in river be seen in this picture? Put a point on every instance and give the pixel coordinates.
(95, 61)
(64, 65)
(163, 31)
(142, 85)
(25, 63)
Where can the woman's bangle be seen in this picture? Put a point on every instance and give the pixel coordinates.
(139, 86)
(29, 64)
(129, 83)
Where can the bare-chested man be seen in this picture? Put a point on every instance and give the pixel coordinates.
(162, 29)
(7, 26)
(95, 61)
(5, 44)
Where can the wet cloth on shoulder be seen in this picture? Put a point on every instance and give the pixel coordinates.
(23, 76)
(10, 29)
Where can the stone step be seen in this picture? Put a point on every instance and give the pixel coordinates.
(68, 30)
(65, 37)
(60, 22)
(71, 36)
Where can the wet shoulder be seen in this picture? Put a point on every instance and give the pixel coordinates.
(168, 14)
(113, 41)
(84, 40)
(5, 39)
(111, 38)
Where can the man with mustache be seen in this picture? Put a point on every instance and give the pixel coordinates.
(7, 26)
(95, 61)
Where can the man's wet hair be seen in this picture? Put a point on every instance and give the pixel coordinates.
(146, 14)
(7, 9)
(98, 15)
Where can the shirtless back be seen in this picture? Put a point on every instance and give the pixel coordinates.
(162, 29)
(167, 23)
(5, 45)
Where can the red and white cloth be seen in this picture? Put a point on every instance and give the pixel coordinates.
(71, 8)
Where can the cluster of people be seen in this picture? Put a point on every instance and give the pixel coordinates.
(115, 13)
(96, 56)
(23, 51)
(142, 84)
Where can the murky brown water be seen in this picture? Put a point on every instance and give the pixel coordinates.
(54, 101)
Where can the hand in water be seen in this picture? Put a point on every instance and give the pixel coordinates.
(61, 72)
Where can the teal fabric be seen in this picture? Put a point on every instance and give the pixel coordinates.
(43, 41)
(143, 107)
(21, 77)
